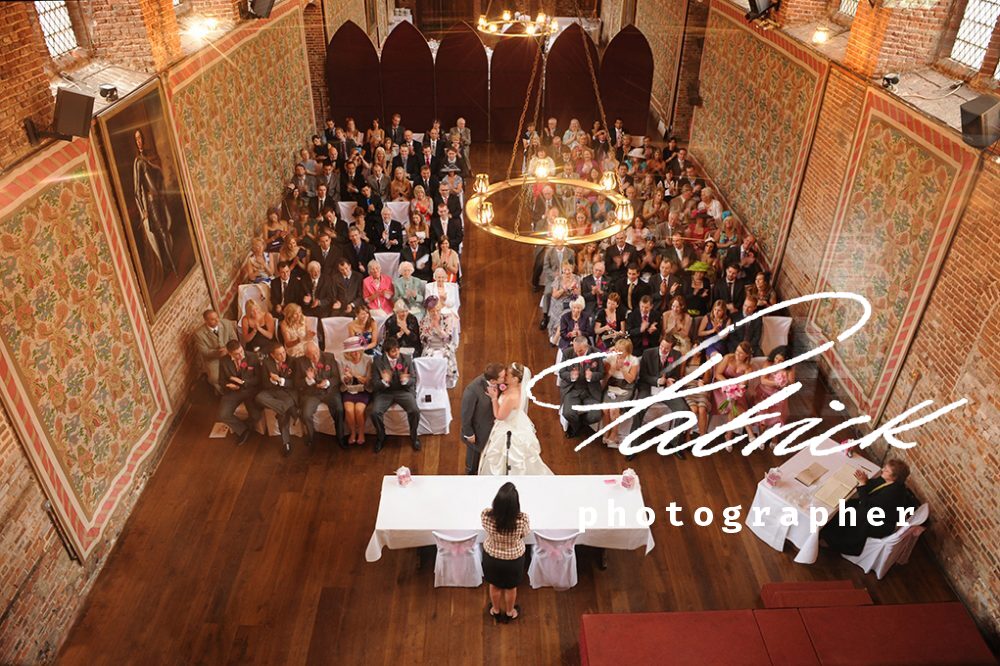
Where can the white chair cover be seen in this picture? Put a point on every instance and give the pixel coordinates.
(880, 554)
(345, 208)
(400, 211)
(335, 332)
(418, 137)
(553, 561)
(258, 291)
(774, 333)
(432, 395)
(312, 324)
(389, 263)
(459, 562)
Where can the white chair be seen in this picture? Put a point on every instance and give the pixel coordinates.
(774, 333)
(400, 211)
(418, 137)
(553, 561)
(459, 562)
(389, 263)
(880, 554)
(335, 332)
(345, 209)
(432, 395)
(257, 291)
(312, 324)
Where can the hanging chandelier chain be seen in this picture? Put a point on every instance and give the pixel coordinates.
(590, 64)
(524, 111)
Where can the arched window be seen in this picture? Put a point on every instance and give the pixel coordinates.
(848, 7)
(974, 33)
(57, 27)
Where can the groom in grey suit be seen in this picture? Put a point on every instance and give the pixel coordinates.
(477, 415)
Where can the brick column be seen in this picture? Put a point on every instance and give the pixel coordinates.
(223, 10)
(890, 38)
(140, 35)
(316, 41)
(687, 92)
(24, 78)
(793, 12)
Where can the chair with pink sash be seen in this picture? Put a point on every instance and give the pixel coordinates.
(459, 561)
(553, 561)
(880, 554)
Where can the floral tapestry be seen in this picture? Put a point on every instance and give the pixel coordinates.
(88, 394)
(241, 113)
(761, 95)
(898, 209)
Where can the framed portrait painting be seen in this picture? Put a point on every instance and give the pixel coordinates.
(146, 175)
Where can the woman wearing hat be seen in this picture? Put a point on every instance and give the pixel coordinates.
(355, 381)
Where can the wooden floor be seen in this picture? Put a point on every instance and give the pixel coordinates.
(237, 555)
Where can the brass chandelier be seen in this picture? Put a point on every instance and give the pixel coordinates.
(480, 209)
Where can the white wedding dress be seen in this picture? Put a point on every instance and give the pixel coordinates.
(525, 451)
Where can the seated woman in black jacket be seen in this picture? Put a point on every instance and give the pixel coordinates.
(404, 327)
(887, 491)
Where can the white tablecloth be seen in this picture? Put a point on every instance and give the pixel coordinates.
(792, 493)
(452, 504)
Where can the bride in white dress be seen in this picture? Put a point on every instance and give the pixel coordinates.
(510, 412)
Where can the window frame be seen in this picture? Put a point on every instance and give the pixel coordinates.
(70, 53)
(981, 78)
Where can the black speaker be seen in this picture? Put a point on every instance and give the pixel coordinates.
(73, 113)
(261, 8)
(981, 121)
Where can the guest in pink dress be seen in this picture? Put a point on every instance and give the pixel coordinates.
(733, 365)
(377, 289)
(771, 384)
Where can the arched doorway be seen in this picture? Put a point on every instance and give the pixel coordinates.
(569, 90)
(352, 76)
(510, 73)
(408, 77)
(627, 79)
(461, 70)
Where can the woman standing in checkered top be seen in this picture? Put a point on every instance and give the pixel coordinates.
(503, 552)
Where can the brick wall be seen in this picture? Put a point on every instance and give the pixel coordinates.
(689, 82)
(142, 35)
(172, 333)
(662, 22)
(893, 39)
(316, 41)
(24, 82)
(338, 12)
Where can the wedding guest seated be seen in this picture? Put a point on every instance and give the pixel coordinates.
(259, 265)
(358, 251)
(446, 258)
(766, 295)
(710, 258)
(443, 226)
(749, 332)
(364, 327)
(770, 384)
(410, 290)
(445, 195)
(731, 290)
(386, 235)
(437, 336)
(679, 251)
(403, 326)
(886, 491)
(700, 404)
(278, 392)
(667, 284)
(380, 182)
(347, 292)
(713, 324)
(275, 231)
(400, 188)
(317, 378)
(394, 383)
(648, 257)
(631, 289)
(574, 323)
(296, 255)
(422, 206)
(609, 326)
(239, 377)
(620, 371)
(370, 205)
(257, 329)
(643, 325)
(294, 331)
(416, 254)
(595, 288)
(698, 293)
(210, 341)
(565, 289)
(659, 367)
(744, 257)
(355, 386)
(733, 365)
(286, 289)
(317, 293)
(377, 290)
(678, 323)
(439, 289)
(618, 256)
(580, 384)
(326, 255)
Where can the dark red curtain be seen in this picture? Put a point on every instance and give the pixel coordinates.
(627, 79)
(461, 71)
(569, 90)
(408, 77)
(352, 77)
(510, 73)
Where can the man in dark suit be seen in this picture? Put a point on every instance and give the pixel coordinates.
(351, 182)
(238, 379)
(347, 292)
(744, 257)
(317, 292)
(444, 194)
(427, 159)
(666, 284)
(477, 414)
(430, 183)
(358, 253)
(643, 326)
(618, 133)
(317, 378)
(550, 131)
(278, 392)
(679, 251)
(691, 178)
(886, 491)
(322, 203)
(395, 130)
(618, 256)
(387, 234)
(580, 384)
(545, 201)
(750, 332)
(679, 163)
(436, 143)
(326, 255)
(417, 254)
(631, 290)
(336, 228)
(595, 289)
(452, 162)
(657, 370)
(442, 224)
(393, 383)
(407, 161)
(370, 204)
(303, 182)
(416, 148)
(331, 178)
(285, 289)
(730, 289)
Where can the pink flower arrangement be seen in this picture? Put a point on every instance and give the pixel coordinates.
(629, 479)
(502, 387)
(781, 379)
(403, 476)
(733, 393)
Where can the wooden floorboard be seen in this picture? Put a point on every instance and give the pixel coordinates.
(237, 555)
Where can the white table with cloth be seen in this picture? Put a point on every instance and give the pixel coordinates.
(792, 493)
(408, 515)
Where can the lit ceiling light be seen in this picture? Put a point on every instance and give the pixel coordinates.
(201, 28)
(821, 35)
